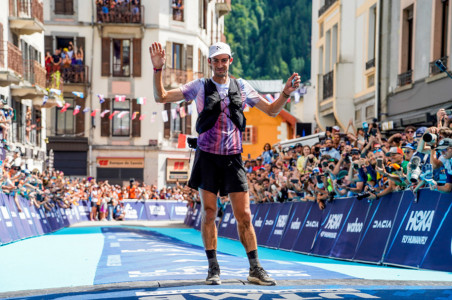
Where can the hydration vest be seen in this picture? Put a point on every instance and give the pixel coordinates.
(212, 107)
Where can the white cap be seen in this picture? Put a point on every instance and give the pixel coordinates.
(219, 48)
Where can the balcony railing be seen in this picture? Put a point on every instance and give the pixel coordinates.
(34, 73)
(324, 8)
(405, 78)
(125, 13)
(370, 64)
(178, 77)
(328, 85)
(73, 74)
(434, 68)
(2, 54)
(15, 61)
(26, 9)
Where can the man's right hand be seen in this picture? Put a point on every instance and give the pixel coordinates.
(157, 55)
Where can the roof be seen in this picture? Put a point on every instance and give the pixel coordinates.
(267, 86)
(288, 117)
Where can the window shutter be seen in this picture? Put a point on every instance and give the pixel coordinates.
(254, 135)
(80, 42)
(136, 124)
(169, 51)
(48, 44)
(189, 58)
(136, 57)
(167, 124)
(59, 7)
(105, 57)
(80, 118)
(105, 121)
(187, 118)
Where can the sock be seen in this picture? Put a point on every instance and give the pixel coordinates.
(254, 261)
(212, 256)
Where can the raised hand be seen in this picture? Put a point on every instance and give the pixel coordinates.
(158, 57)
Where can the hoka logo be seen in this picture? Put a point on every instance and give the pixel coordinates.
(420, 220)
(282, 220)
(334, 221)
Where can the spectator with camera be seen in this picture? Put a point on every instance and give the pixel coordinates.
(329, 149)
(445, 160)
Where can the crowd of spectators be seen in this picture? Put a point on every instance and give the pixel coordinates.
(361, 163)
(118, 11)
(68, 61)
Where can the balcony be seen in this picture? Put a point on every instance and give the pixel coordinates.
(434, 68)
(328, 85)
(405, 78)
(222, 9)
(73, 78)
(10, 64)
(324, 8)
(34, 73)
(370, 64)
(120, 14)
(26, 16)
(173, 78)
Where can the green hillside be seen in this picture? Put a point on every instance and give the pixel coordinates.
(270, 38)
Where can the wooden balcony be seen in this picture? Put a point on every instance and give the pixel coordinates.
(121, 14)
(72, 79)
(15, 61)
(34, 73)
(26, 16)
(173, 78)
(10, 64)
(222, 9)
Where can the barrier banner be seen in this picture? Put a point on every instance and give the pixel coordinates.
(230, 231)
(259, 217)
(17, 222)
(155, 211)
(26, 206)
(135, 210)
(28, 228)
(349, 237)
(52, 219)
(439, 252)
(84, 209)
(76, 213)
(178, 210)
(281, 223)
(332, 226)
(61, 222)
(43, 220)
(410, 239)
(224, 224)
(299, 213)
(7, 232)
(197, 224)
(194, 216)
(62, 216)
(269, 223)
(378, 226)
(36, 220)
(189, 214)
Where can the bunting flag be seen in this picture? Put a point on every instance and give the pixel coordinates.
(277, 95)
(44, 99)
(78, 94)
(181, 141)
(270, 98)
(190, 109)
(86, 109)
(55, 91)
(76, 110)
(120, 98)
(122, 114)
(182, 112)
(303, 90)
(65, 107)
(141, 100)
(165, 116)
(154, 114)
(93, 114)
(173, 113)
(104, 113)
(135, 114)
(142, 117)
(59, 103)
(113, 114)
(296, 97)
(101, 98)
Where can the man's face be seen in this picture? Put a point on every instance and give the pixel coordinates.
(396, 158)
(447, 153)
(220, 65)
(328, 143)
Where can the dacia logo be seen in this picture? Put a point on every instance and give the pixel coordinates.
(420, 220)
(334, 221)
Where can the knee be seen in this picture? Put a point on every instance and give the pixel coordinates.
(209, 215)
(244, 218)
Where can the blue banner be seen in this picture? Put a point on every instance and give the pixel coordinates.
(269, 223)
(259, 217)
(26, 206)
(84, 209)
(281, 223)
(178, 210)
(134, 210)
(17, 223)
(7, 232)
(37, 220)
(43, 219)
(332, 226)
(298, 217)
(412, 237)
(224, 224)
(155, 211)
(230, 231)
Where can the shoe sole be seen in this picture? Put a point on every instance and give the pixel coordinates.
(213, 282)
(260, 282)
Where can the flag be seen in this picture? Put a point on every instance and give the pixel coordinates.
(269, 98)
(182, 112)
(142, 117)
(122, 114)
(154, 114)
(165, 116)
(181, 140)
(44, 99)
(190, 109)
(59, 103)
(277, 96)
(297, 97)
(78, 94)
(135, 114)
(120, 98)
(55, 91)
(76, 110)
(104, 113)
(65, 107)
(101, 98)
(173, 113)
(93, 114)
(141, 100)
(86, 109)
(303, 90)
(113, 114)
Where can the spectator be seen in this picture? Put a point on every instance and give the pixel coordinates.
(267, 154)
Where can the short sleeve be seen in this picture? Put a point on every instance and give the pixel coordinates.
(251, 95)
(191, 89)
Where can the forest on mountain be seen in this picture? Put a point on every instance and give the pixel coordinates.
(270, 39)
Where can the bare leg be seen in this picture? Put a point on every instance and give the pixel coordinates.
(208, 227)
(241, 208)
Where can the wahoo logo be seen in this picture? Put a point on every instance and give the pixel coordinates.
(258, 222)
(295, 224)
(355, 226)
(420, 220)
(157, 210)
(334, 221)
(269, 222)
(282, 220)
(382, 224)
(313, 224)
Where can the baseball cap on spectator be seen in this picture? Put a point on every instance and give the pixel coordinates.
(355, 151)
(259, 158)
(409, 146)
(336, 128)
(219, 48)
(444, 144)
(395, 150)
(420, 132)
(17, 150)
(298, 145)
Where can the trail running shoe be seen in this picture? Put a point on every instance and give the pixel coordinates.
(213, 275)
(259, 276)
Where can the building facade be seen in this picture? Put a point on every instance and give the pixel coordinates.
(124, 134)
(23, 80)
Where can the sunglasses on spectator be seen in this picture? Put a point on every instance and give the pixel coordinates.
(410, 131)
(7, 168)
(377, 150)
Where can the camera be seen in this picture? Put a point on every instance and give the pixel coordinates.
(355, 166)
(311, 160)
(365, 194)
(414, 168)
(448, 112)
(430, 138)
(192, 142)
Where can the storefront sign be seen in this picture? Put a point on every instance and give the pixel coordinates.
(177, 169)
(120, 162)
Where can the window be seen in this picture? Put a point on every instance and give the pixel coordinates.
(321, 30)
(249, 136)
(203, 14)
(407, 39)
(177, 56)
(65, 121)
(64, 7)
(121, 124)
(121, 58)
(441, 34)
(178, 10)
(372, 33)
